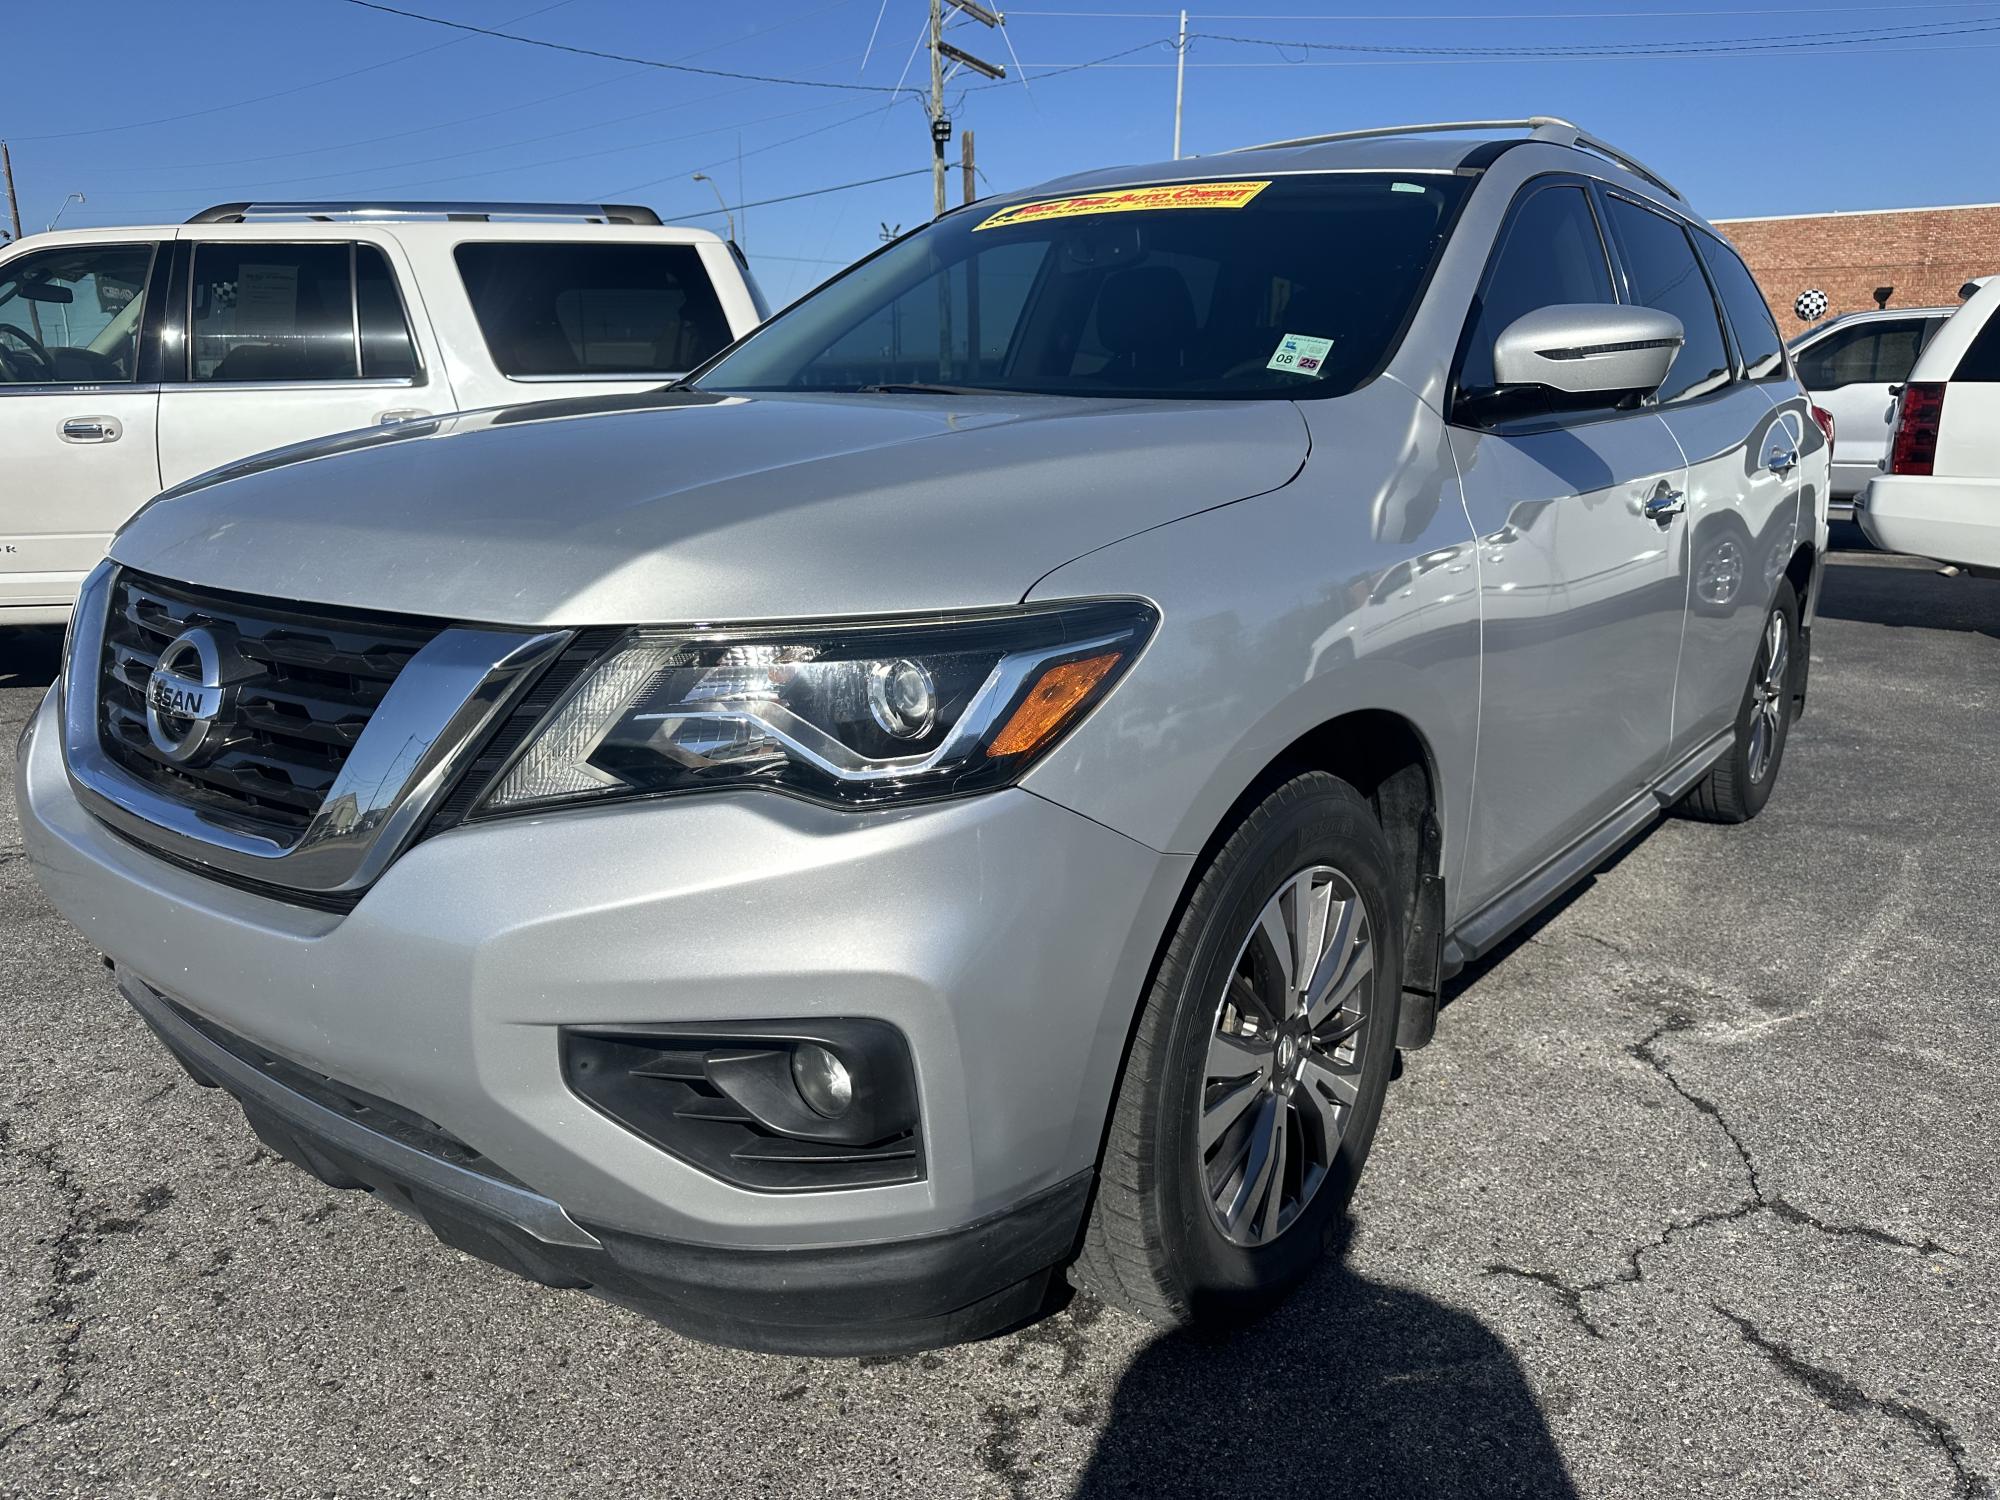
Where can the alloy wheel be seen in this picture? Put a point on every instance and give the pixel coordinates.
(1285, 1057)
(1769, 690)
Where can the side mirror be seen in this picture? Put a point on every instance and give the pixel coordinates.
(1607, 350)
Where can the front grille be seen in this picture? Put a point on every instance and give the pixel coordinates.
(318, 676)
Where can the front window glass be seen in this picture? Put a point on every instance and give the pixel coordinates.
(1877, 353)
(1278, 288)
(1550, 254)
(72, 315)
(1664, 274)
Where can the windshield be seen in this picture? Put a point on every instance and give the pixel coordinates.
(1256, 288)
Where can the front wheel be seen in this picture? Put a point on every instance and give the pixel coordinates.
(1737, 787)
(1258, 1067)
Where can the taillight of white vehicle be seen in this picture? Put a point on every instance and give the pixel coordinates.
(1918, 414)
(1824, 419)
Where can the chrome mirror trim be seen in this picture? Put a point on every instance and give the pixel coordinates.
(426, 728)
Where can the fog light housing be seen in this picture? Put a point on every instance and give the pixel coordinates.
(822, 1080)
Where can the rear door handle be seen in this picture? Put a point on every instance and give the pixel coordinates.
(92, 430)
(1782, 460)
(1665, 505)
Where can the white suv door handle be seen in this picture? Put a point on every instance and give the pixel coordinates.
(1782, 460)
(397, 414)
(92, 430)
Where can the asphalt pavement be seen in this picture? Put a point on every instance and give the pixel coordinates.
(1693, 1195)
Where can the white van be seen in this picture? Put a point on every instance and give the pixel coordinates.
(134, 358)
(1940, 493)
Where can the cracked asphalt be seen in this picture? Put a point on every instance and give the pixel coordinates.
(1694, 1195)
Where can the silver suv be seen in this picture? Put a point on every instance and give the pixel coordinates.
(978, 782)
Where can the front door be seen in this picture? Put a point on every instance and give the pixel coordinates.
(287, 342)
(1580, 606)
(77, 445)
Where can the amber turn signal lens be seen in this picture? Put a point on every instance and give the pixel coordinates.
(1049, 704)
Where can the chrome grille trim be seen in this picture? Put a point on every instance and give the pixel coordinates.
(430, 719)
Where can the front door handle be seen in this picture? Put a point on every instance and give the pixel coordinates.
(1664, 506)
(92, 430)
(399, 414)
(1781, 460)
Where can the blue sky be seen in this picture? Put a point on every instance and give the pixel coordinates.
(1782, 107)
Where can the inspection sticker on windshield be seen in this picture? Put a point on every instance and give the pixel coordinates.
(1301, 355)
(1128, 201)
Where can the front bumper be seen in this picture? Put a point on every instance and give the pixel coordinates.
(1007, 938)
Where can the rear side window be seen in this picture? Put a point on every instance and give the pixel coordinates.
(326, 310)
(1875, 353)
(581, 309)
(1981, 361)
(1758, 342)
(1662, 273)
(1549, 254)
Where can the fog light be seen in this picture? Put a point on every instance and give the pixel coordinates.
(822, 1079)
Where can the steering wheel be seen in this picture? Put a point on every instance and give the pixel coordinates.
(33, 346)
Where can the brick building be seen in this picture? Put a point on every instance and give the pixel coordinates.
(1923, 254)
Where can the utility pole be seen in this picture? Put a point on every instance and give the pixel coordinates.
(1180, 82)
(941, 50)
(965, 166)
(13, 203)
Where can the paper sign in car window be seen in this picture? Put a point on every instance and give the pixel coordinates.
(1301, 355)
(1129, 201)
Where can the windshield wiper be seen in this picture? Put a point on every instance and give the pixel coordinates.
(925, 390)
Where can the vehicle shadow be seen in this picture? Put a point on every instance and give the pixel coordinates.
(1350, 1388)
(29, 657)
(1881, 588)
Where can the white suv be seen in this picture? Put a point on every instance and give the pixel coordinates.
(132, 359)
(1940, 494)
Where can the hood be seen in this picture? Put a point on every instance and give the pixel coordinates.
(682, 507)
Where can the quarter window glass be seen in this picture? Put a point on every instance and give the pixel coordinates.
(1757, 339)
(73, 315)
(273, 312)
(1879, 353)
(1981, 360)
(1550, 254)
(592, 309)
(386, 351)
(1660, 265)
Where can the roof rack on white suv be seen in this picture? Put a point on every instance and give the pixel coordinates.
(606, 213)
(1548, 128)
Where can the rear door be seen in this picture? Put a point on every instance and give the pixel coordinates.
(78, 402)
(1853, 372)
(1742, 456)
(286, 341)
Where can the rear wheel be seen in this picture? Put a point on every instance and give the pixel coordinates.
(1258, 1068)
(1739, 784)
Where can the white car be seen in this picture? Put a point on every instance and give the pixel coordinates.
(132, 359)
(1852, 366)
(1940, 494)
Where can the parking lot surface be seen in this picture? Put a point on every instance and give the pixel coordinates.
(1693, 1195)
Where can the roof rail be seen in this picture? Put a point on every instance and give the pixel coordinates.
(608, 213)
(1548, 128)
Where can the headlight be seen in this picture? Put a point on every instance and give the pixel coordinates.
(845, 712)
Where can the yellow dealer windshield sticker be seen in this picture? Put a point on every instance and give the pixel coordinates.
(1129, 201)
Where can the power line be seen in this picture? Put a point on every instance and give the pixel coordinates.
(1910, 31)
(216, 109)
(838, 187)
(1546, 15)
(623, 57)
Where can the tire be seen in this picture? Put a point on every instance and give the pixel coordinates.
(1157, 1243)
(1737, 787)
